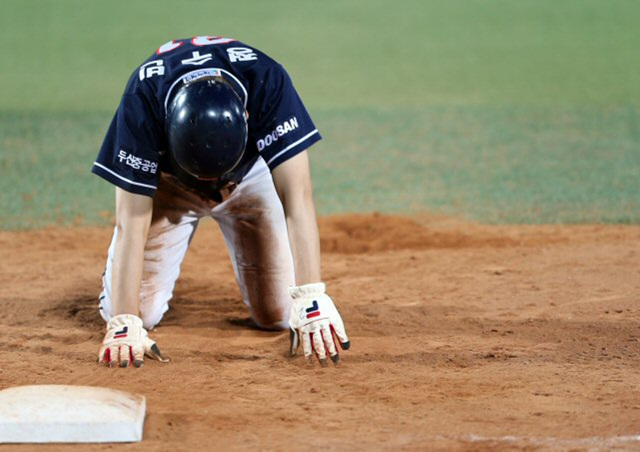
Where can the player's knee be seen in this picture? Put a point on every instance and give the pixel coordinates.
(277, 325)
(275, 318)
(150, 322)
(152, 313)
(104, 306)
(154, 303)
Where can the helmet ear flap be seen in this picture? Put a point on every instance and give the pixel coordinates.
(206, 128)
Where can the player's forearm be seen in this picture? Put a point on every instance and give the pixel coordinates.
(292, 180)
(127, 273)
(305, 241)
(133, 217)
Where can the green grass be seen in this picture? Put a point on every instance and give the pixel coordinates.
(514, 165)
(76, 55)
(45, 176)
(495, 110)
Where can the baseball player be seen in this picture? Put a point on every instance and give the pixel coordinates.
(210, 126)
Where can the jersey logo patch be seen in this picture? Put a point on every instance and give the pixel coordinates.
(199, 73)
(197, 59)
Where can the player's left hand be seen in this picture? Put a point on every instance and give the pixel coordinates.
(314, 321)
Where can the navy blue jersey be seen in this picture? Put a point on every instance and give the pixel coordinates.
(134, 151)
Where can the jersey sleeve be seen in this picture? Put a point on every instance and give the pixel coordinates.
(130, 157)
(279, 124)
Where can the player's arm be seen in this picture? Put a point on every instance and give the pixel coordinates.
(292, 180)
(314, 318)
(126, 339)
(133, 217)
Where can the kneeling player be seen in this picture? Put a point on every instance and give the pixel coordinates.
(210, 126)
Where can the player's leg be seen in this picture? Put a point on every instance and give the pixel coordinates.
(175, 218)
(254, 227)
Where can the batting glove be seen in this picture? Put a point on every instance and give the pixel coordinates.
(127, 341)
(315, 320)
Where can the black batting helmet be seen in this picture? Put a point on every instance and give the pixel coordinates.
(206, 128)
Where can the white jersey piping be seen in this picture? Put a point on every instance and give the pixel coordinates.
(124, 178)
(292, 145)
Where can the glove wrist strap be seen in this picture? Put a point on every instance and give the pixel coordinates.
(307, 289)
(124, 319)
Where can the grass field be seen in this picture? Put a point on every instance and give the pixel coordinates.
(498, 111)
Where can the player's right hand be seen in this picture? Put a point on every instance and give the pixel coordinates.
(127, 341)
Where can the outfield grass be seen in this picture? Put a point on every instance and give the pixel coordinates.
(497, 165)
(495, 110)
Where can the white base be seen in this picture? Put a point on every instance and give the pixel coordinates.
(70, 414)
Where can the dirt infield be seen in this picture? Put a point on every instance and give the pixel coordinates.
(464, 337)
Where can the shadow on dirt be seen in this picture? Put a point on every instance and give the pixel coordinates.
(223, 314)
(82, 312)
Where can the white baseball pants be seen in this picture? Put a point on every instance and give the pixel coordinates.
(254, 228)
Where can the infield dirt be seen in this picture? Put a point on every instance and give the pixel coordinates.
(464, 337)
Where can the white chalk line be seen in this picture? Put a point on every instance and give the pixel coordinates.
(593, 441)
